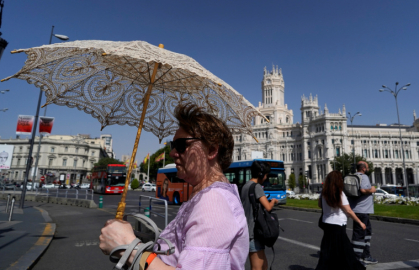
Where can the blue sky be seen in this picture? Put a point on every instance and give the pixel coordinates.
(342, 51)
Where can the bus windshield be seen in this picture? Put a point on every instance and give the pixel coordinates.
(117, 169)
(275, 181)
(116, 181)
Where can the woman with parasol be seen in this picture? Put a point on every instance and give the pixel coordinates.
(210, 230)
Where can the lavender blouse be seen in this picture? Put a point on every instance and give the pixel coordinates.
(209, 231)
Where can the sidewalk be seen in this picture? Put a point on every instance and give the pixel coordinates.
(25, 237)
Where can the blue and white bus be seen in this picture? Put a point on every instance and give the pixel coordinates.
(239, 173)
(176, 190)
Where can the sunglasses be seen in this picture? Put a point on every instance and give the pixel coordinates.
(180, 144)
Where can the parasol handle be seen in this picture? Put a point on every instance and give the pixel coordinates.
(121, 206)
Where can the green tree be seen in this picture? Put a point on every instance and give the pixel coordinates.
(343, 163)
(105, 161)
(302, 181)
(291, 181)
(154, 166)
(135, 183)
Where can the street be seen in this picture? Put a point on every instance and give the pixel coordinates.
(75, 245)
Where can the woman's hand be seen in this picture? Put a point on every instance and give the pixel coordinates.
(362, 225)
(115, 233)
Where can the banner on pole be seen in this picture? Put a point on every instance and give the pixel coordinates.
(45, 125)
(6, 153)
(159, 157)
(146, 158)
(24, 124)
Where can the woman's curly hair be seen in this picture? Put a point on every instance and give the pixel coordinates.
(198, 123)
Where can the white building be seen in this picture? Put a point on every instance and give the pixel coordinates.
(61, 157)
(312, 144)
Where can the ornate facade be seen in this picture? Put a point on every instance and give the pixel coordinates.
(312, 144)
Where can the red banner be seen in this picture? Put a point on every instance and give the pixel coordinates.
(45, 125)
(24, 124)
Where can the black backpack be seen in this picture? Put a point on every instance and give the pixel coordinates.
(266, 223)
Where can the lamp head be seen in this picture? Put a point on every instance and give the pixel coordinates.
(360, 114)
(384, 86)
(404, 88)
(408, 84)
(381, 90)
(62, 37)
(397, 83)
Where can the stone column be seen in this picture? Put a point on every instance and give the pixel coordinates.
(372, 177)
(383, 175)
(393, 171)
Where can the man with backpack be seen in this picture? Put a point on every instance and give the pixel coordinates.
(253, 191)
(363, 206)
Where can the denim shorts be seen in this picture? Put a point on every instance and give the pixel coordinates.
(255, 245)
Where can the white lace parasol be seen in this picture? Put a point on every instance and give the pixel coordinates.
(109, 80)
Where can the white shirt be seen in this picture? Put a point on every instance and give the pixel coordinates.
(335, 215)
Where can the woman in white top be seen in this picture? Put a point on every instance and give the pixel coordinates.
(336, 251)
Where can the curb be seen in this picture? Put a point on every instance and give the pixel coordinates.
(30, 257)
(51, 199)
(373, 217)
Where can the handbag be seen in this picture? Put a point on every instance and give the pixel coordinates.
(321, 223)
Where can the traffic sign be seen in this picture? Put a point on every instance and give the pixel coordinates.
(42, 178)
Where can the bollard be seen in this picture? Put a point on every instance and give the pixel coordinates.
(7, 205)
(101, 202)
(147, 212)
(11, 208)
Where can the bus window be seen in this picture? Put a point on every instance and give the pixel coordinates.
(275, 181)
(231, 177)
(248, 175)
(241, 177)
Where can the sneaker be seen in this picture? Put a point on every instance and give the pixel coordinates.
(370, 260)
(363, 263)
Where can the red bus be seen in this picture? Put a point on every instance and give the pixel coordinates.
(109, 179)
(170, 187)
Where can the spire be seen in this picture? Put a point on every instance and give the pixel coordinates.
(326, 110)
(414, 115)
(344, 110)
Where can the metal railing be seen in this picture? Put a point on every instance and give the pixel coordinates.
(57, 192)
(165, 216)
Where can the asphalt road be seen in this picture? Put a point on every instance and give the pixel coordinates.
(75, 245)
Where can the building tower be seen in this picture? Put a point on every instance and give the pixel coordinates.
(273, 87)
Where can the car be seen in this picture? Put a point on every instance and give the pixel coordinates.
(49, 185)
(85, 185)
(382, 193)
(9, 187)
(290, 192)
(149, 187)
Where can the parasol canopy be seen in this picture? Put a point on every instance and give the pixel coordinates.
(133, 83)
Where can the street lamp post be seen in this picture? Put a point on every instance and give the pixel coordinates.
(351, 118)
(61, 37)
(395, 93)
(30, 158)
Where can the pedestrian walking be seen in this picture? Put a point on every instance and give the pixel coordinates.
(210, 230)
(259, 173)
(336, 250)
(363, 206)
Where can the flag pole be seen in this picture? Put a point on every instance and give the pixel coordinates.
(148, 170)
